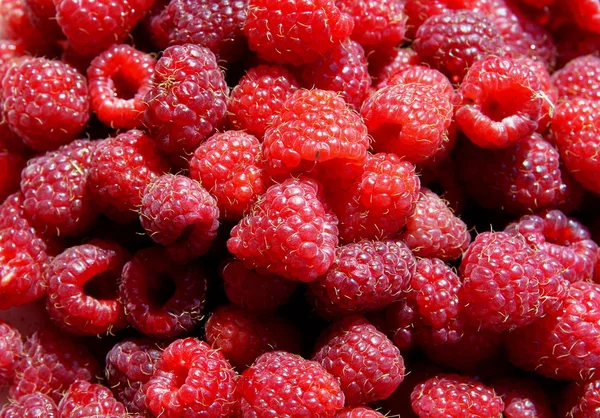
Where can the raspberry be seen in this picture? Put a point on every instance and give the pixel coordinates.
(45, 102)
(359, 412)
(242, 336)
(451, 395)
(385, 63)
(259, 96)
(420, 74)
(564, 343)
(452, 42)
(80, 300)
(367, 364)
(11, 348)
(434, 231)
(230, 166)
(586, 13)
(522, 397)
(365, 276)
(35, 405)
(576, 124)
(409, 120)
(549, 93)
(178, 212)
(265, 388)
(118, 80)
(92, 26)
(188, 99)
(11, 165)
(10, 49)
(55, 189)
(161, 299)
(579, 79)
(216, 25)
(16, 25)
(129, 365)
(343, 69)
(121, 167)
(398, 322)
(191, 379)
(85, 399)
(51, 362)
(261, 293)
(295, 32)
(581, 400)
(313, 126)
(42, 14)
(288, 232)
(500, 102)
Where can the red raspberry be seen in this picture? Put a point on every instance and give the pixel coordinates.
(564, 343)
(289, 232)
(243, 336)
(586, 13)
(259, 96)
(500, 102)
(549, 93)
(576, 127)
(230, 166)
(522, 397)
(434, 231)
(129, 365)
(264, 388)
(216, 25)
(451, 395)
(313, 126)
(579, 79)
(365, 276)
(359, 412)
(452, 42)
(580, 400)
(295, 32)
(420, 74)
(118, 80)
(11, 348)
(91, 26)
(385, 63)
(261, 293)
(51, 362)
(36, 405)
(42, 14)
(191, 379)
(408, 120)
(398, 322)
(343, 69)
(45, 102)
(367, 364)
(81, 299)
(121, 167)
(188, 99)
(84, 399)
(10, 49)
(162, 299)
(15, 24)
(55, 189)
(11, 165)
(178, 212)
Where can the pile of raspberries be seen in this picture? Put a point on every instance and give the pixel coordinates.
(300, 208)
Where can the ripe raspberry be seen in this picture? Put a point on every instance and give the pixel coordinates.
(188, 99)
(260, 293)
(343, 69)
(35, 405)
(55, 187)
(216, 25)
(451, 395)
(295, 32)
(398, 322)
(42, 14)
(313, 126)
(265, 388)
(434, 231)
(11, 348)
(259, 96)
(129, 365)
(579, 79)
(500, 102)
(289, 232)
(118, 80)
(586, 13)
(580, 400)
(367, 364)
(11, 165)
(179, 213)
(420, 74)
(92, 26)
(85, 399)
(359, 412)
(121, 167)
(230, 166)
(548, 92)
(576, 125)
(16, 25)
(564, 343)
(365, 276)
(162, 299)
(385, 63)
(409, 120)
(191, 379)
(45, 102)
(51, 362)
(452, 42)
(10, 49)
(243, 336)
(522, 397)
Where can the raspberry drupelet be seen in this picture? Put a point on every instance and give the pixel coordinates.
(420, 74)
(35, 405)
(579, 79)
(580, 400)
(523, 397)
(11, 350)
(118, 80)
(85, 399)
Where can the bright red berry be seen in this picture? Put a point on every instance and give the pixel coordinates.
(35, 405)
(359, 412)
(85, 399)
(11, 349)
(420, 74)
(586, 13)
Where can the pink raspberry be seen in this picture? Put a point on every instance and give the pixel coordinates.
(11, 164)
(523, 397)
(85, 399)
(35, 405)
(264, 388)
(15, 24)
(579, 79)
(359, 412)
(10, 49)
(289, 232)
(580, 400)
(423, 75)
(191, 379)
(11, 349)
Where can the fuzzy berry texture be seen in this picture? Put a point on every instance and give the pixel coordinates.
(35, 405)
(11, 349)
(420, 74)
(85, 399)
